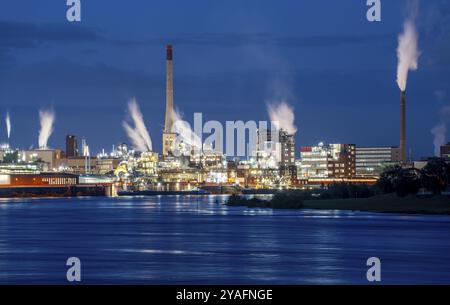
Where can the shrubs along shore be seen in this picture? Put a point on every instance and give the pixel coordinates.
(281, 200)
(385, 203)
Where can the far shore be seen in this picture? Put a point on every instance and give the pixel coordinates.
(390, 203)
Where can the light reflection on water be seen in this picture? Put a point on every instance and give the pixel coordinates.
(198, 240)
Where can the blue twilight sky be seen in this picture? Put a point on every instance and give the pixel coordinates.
(230, 59)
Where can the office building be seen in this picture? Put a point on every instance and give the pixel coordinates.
(370, 161)
(71, 146)
(287, 157)
(276, 149)
(328, 161)
(445, 151)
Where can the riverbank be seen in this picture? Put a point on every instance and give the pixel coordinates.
(390, 203)
(386, 204)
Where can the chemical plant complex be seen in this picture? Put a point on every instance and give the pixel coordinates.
(186, 166)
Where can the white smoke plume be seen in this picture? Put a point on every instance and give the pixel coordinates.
(8, 125)
(47, 118)
(283, 117)
(184, 131)
(408, 52)
(440, 135)
(138, 134)
(440, 130)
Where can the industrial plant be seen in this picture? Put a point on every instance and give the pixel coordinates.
(186, 165)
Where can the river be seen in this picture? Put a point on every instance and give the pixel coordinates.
(199, 240)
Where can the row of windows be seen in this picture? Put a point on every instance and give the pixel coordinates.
(380, 150)
(60, 181)
(383, 157)
(337, 165)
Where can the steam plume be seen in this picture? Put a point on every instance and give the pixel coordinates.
(8, 125)
(47, 118)
(407, 51)
(282, 116)
(184, 131)
(138, 134)
(440, 135)
(440, 130)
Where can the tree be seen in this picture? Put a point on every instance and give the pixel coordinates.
(436, 175)
(407, 182)
(403, 181)
(344, 191)
(388, 177)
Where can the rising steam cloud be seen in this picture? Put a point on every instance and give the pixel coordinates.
(408, 52)
(138, 134)
(282, 116)
(8, 125)
(47, 118)
(439, 131)
(440, 134)
(184, 131)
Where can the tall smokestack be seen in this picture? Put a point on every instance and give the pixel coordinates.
(403, 126)
(169, 89)
(168, 136)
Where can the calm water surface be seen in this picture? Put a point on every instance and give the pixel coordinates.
(190, 240)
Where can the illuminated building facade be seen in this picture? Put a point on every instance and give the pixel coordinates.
(5, 152)
(47, 158)
(445, 151)
(77, 165)
(107, 165)
(147, 164)
(268, 150)
(287, 157)
(276, 150)
(370, 161)
(328, 161)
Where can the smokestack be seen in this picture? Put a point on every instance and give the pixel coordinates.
(169, 52)
(169, 89)
(403, 126)
(168, 135)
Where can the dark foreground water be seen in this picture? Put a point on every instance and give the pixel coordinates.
(180, 240)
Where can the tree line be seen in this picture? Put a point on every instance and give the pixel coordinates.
(434, 177)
